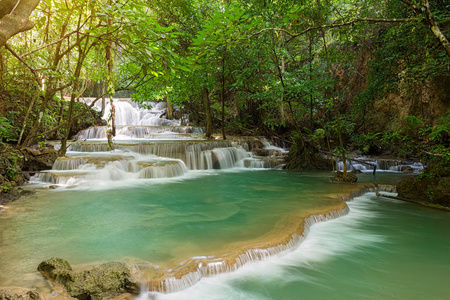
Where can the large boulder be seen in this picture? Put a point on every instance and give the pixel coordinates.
(39, 159)
(106, 280)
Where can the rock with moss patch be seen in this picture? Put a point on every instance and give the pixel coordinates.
(349, 177)
(8, 295)
(106, 280)
(432, 186)
(56, 269)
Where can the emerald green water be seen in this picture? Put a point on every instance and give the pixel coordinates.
(155, 220)
(383, 249)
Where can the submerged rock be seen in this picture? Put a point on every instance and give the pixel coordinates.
(106, 280)
(8, 295)
(339, 177)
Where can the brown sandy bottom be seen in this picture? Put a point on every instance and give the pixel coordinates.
(184, 272)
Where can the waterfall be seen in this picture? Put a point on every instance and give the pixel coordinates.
(148, 146)
(391, 165)
(141, 132)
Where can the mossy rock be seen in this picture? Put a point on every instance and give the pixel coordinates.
(8, 295)
(56, 269)
(339, 177)
(106, 280)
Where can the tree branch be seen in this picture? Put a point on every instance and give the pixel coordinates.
(48, 45)
(17, 20)
(36, 77)
(335, 25)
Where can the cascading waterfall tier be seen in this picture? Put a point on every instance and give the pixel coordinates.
(147, 145)
(128, 113)
(189, 272)
(206, 269)
(143, 132)
(391, 165)
(75, 169)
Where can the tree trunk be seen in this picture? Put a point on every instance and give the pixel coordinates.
(169, 109)
(14, 18)
(103, 97)
(48, 93)
(432, 24)
(109, 59)
(336, 111)
(75, 92)
(222, 96)
(35, 96)
(205, 96)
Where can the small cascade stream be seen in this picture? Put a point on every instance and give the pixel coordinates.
(383, 165)
(148, 146)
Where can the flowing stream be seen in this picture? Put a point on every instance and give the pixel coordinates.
(383, 249)
(164, 197)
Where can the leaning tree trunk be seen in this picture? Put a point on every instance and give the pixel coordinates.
(14, 18)
(75, 90)
(424, 9)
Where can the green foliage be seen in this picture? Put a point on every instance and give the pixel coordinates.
(10, 159)
(318, 137)
(8, 132)
(245, 54)
(440, 133)
(405, 56)
(366, 142)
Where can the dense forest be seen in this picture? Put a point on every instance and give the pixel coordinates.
(371, 77)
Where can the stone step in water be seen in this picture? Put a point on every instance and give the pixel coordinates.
(74, 170)
(143, 132)
(382, 164)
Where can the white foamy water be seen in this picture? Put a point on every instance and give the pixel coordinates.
(326, 241)
(148, 146)
(382, 165)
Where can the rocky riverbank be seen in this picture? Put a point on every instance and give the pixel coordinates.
(431, 187)
(17, 165)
